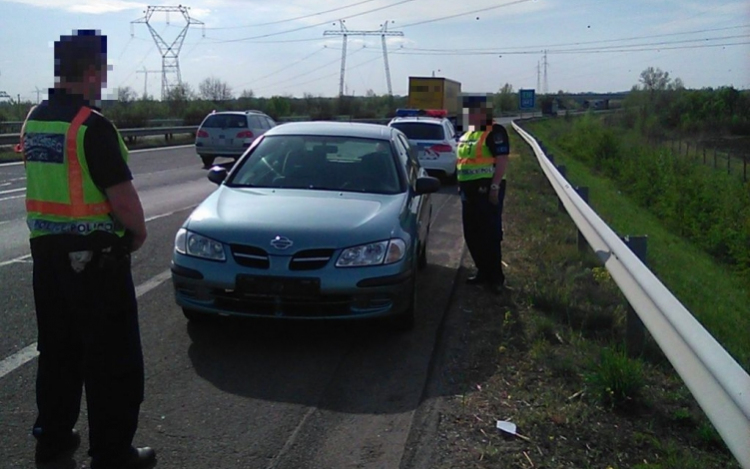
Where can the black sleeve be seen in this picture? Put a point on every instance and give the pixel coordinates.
(498, 141)
(103, 155)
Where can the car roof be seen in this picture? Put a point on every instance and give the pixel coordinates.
(421, 119)
(238, 112)
(332, 128)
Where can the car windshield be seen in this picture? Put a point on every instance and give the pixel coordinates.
(225, 121)
(321, 163)
(420, 130)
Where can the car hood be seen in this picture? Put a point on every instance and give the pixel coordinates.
(309, 218)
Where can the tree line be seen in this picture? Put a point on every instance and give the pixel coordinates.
(659, 105)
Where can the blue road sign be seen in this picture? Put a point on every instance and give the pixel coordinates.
(527, 99)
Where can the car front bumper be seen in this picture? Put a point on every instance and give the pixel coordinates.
(340, 293)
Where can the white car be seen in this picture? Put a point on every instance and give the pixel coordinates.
(435, 140)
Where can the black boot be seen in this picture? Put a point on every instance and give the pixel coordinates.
(476, 279)
(138, 458)
(50, 449)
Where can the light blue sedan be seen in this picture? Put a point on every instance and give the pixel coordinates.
(316, 221)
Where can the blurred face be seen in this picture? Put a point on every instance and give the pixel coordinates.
(90, 84)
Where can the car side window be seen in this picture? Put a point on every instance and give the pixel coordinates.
(270, 122)
(449, 131)
(410, 158)
(254, 122)
(411, 152)
(403, 153)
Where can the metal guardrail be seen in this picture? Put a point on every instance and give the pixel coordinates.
(719, 384)
(12, 139)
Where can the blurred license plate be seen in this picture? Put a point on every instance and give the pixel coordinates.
(278, 286)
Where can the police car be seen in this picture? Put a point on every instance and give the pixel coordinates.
(433, 136)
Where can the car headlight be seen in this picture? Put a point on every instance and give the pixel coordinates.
(192, 244)
(382, 252)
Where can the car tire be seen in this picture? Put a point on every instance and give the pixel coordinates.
(404, 322)
(208, 161)
(196, 316)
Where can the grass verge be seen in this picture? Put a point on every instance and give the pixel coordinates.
(715, 294)
(547, 358)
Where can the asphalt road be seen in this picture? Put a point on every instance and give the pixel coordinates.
(235, 394)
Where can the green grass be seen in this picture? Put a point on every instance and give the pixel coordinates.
(716, 295)
(616, 379)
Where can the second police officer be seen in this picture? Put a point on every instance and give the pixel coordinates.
(482, 162)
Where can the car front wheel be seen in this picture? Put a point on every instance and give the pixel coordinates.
(404, 322)
(195, 316)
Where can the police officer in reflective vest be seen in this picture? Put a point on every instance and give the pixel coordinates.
(85, 219)
(482, 160)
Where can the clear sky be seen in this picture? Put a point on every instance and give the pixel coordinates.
(280, 47)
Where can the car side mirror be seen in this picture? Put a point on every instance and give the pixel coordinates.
(427, 185)
(217, 174)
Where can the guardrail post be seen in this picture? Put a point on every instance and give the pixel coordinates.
(635, 331)
(583, 192)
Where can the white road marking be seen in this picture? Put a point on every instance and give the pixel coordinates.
(29, 353)
(155, 217)
(13, 190)
(14, 197)
(17, 259)
(18, 359)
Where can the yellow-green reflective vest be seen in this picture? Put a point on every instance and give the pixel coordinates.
(61, 197)
(475, 161)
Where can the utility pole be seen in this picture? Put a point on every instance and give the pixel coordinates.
(170, 65)
(38, 92)
(345, 33)
(145, 80)
(546, 83)
(538, 78)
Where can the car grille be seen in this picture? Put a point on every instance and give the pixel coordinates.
(250, 256)
(311, 259)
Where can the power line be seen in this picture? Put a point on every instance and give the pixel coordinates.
(517, 2)
(284, 68)
(334, 73)
(622, 48)
(293, 19)
(301, 28)
(313, 70)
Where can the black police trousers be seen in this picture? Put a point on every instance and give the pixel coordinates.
(88, 336)
(483, 227)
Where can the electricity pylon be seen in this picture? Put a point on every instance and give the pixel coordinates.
(170, 53)
(345, 33)
(145, 71)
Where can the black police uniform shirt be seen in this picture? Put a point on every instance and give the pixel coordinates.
(497, 141)
(101, 148)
